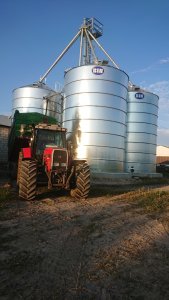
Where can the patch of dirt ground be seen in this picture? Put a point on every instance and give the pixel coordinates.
(103, 248)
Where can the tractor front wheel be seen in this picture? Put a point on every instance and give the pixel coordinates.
(27, 179)
(82, 182)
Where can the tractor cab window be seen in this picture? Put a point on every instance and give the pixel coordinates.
(49, 138)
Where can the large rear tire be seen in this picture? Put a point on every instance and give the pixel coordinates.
(82, 182)
(28, 179)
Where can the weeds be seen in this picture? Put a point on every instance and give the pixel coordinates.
(149, 201)
(154, 201)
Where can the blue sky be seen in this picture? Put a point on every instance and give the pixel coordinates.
(33, 33)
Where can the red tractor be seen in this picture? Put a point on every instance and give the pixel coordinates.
(43, 156)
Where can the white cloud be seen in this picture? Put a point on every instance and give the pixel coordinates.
(164, 61)
(161, 88)
(161, 61)
(146, 69)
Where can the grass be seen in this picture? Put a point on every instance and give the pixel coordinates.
(149, 201)
(154, 201)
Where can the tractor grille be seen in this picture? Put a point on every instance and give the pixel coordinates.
(60, 158)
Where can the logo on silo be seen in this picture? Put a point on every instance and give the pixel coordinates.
(139, 95)
(98, 70)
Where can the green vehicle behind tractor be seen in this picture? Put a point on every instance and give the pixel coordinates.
(38, 153)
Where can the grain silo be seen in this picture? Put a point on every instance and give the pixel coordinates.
(95, 109)
(141, 139)
(114, 134)
(39, 98)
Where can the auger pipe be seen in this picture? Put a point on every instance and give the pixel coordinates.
(60, 56)
(81, 46)
(103, 50)
(130, 83)
(91, 46)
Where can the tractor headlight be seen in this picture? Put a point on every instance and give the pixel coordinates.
(63, 164)
(56, 164)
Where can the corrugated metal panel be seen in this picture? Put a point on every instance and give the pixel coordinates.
(141, 131)
(95, 108)
(5, 121)
(31, 99)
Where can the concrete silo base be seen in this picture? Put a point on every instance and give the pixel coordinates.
(116, 178)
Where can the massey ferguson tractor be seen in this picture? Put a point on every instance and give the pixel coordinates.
(39, 154)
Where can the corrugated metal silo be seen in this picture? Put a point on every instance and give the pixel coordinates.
(94, 113)
(38, 98)
(141, 131)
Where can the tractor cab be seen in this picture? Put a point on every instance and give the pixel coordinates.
(48, 136)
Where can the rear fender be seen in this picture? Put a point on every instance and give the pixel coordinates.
(26, 153)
